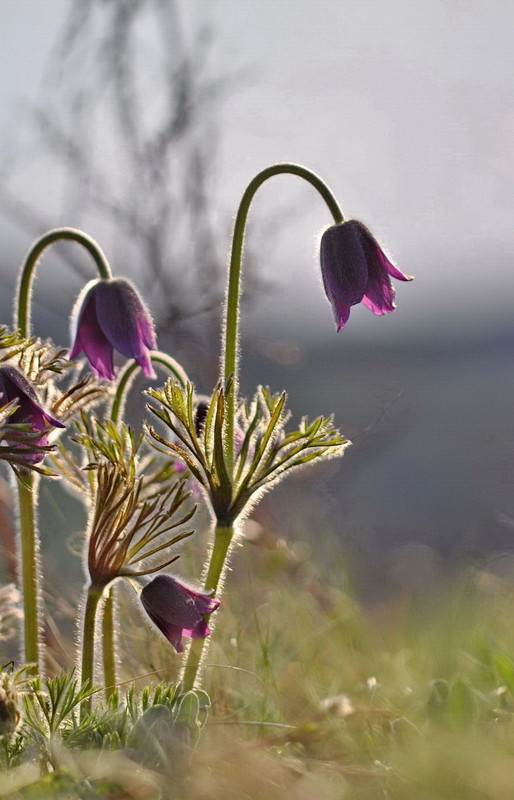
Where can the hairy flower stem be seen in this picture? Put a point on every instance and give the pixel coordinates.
(125, 380)
(231, 314)
(218, 561)
(27, 486)
(94, 594)
(216, 568)
(22, 319)
(129, 372)
(108, 647)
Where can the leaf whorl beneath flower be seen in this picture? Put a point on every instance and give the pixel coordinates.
(263, 450)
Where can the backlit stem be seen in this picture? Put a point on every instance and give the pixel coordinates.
(129, 372)
(28, 488)
(125, 381)
(22, 320)
(231, 314)
(108, 648)
(28, 543)
(94, 593)
(215, 571)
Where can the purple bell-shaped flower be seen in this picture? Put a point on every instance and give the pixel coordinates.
(355, 269)
(177, 610)
(109, 315)
(15, 386)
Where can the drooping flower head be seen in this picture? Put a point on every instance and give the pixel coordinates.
(15, 386)
(355, 269)
(177, 610)
(109, 315)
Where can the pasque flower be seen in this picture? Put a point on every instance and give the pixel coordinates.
(355, 269)
(109, 315)
(15, 386)
(177, 610)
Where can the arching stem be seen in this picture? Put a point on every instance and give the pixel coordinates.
(231, 314)
(223, 535)
(27, 488)
(22, 316)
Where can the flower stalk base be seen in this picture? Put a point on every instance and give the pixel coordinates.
(218, 563)
(94, 594)
(27, 494)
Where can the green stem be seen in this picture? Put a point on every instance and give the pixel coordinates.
(128, 373)
(125, 381)
(28, 494)
(94, 593)
(217, 565)
(27, 488)
(22, 319)
(109, 658)
(231, 314)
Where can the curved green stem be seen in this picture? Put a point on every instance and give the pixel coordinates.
(217, 564)
(231, 314)
(28, 491)
(28, 543)
(125, 381)
(22, 319)
(128, 373)
(94, 593)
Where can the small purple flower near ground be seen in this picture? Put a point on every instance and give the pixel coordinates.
(15, 386)
(109, 315)
(355, 269)
(177, 610)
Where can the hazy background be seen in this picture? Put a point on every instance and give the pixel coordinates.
(407, 110)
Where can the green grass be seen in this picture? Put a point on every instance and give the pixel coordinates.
(312, 697)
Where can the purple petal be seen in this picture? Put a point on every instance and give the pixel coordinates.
(379, 293)
(90, 338)
(393, 271)
(124, 319)
(173, 633)
(379, 308)
(341, 313)
(176, 609)
(14, 384)
(171, 600)
(200, 631)
(145, 362)
(343, 264)
(146, 327)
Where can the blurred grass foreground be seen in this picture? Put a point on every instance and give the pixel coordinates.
(312, 697)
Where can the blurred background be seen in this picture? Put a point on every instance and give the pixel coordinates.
(142, 121)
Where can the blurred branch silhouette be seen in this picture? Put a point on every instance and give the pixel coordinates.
(128, 116)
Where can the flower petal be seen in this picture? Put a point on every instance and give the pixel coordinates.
(89, 337)
(14, 384)
(200, 631)
(393, 271)
(124, 319)
(343, 264)
(145, 363)
(176, 609)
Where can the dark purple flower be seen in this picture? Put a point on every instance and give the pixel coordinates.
(177, 610)
(109, 315)
(15, 386)
(355, 269)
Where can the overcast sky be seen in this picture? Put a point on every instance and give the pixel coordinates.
(405, 107)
